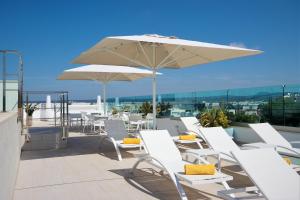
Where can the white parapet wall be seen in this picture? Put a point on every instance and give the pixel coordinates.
(10, 150)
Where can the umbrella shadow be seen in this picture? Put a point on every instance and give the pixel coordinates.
(75, 146)
(159, 186)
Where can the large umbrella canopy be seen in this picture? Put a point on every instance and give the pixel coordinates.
(156, 52)
(104, 74)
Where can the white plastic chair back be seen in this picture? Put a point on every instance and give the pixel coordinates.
(269, 135)
(149, 116)
(159, 144)
(115, 129)
(174, 127)
(270, 173)
(135, 117)
(83, 114)
(124, 117)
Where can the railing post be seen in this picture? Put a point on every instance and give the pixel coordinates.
(283, 104)
(55, 114)
(4, 82)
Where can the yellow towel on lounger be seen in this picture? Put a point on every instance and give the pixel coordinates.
(131, 141)
(187, 137)
(287, 160)
(193, 169)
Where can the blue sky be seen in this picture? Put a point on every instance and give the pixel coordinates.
(50, 34)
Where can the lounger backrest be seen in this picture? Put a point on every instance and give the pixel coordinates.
(270, 173)
(115, 129)
(174, 127)
(192, 124)
(219, 140)
(159, 144)
(269, 135)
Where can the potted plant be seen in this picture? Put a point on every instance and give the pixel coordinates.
(29, 109)
(216, 117)
(114, 111)
(145, 108)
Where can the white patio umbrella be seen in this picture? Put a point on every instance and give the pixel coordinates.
(156, 52)
(104, 74)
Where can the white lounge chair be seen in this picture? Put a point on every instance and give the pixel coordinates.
(176, 128)
(273, 177)
(218, 140)
(271, 137)
(192, 124)
(163, 154)
(116, 132)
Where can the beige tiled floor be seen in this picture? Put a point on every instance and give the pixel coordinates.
(82, 171)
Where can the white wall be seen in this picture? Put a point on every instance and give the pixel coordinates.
(10, 150)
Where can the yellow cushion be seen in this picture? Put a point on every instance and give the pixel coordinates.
(287, 160)
(131, 141)
(191, 169)
(187, 137)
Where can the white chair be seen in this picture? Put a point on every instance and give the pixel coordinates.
(149, 121)
(116, 131)
(176, 128)
(271, 137)
(136, 122)
(163, 154)
(273, 177)
(87, 120)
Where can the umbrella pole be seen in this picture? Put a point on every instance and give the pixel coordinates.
(154, 98)
(104, 97)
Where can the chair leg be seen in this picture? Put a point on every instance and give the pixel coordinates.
(199, 144)
(117, 149)
(227, 187)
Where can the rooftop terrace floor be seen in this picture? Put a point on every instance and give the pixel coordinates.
(83, 171)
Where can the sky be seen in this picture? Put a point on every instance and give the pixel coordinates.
(50, 34)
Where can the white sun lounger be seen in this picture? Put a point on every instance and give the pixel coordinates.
(176, 128)
(218, 140)
(192, 124)
(116, 131)
(163, 154)
(271, 137)
(273, 177)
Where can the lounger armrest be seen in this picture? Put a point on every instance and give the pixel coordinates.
(189, 131)
(141, 155)
(202, 152)
(258, 145)
(289, 149)
(294, 142)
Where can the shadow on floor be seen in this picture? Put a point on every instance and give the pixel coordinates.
(152, 183)
(79, 146)
(75, 146)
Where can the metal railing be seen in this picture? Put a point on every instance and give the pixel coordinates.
(279, 105)
(56, 114)
(19, 77)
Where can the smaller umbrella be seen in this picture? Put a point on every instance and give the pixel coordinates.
(105, 74)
